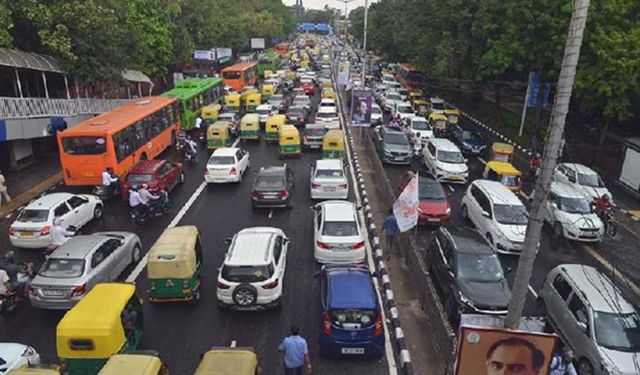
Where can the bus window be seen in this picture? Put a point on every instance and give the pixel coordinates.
(231, 75)
(84, 145)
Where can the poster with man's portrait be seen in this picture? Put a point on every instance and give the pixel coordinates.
(494, 351)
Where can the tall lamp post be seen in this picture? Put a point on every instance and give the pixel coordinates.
(344, 25)
(364, 42)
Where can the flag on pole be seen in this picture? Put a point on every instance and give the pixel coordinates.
(405, 208)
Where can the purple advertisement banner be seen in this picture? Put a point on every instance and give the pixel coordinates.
(361, 100)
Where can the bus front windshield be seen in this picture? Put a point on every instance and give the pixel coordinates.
(84, 145)
(231, 75)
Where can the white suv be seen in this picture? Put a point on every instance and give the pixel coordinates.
(497, 213)
(445, 161)
(568, 212)
(252, 273)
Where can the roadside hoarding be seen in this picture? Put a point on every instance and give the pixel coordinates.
(257, 43)
(361, 100)
(204, 55)
(223, 54)
(343, 73)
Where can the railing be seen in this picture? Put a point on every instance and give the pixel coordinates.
(16, 108)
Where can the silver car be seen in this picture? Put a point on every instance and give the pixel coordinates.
(83, 261)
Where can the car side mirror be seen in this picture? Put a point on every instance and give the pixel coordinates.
(286, 240)
(317, 275)
(572, 179)
(582, 326)
(466, 160)
(508, 270)
(315, 208)
(486, 214)
(228, 240)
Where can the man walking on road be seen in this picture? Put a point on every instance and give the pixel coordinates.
(296, 353)
(3, 189)
(391, 230)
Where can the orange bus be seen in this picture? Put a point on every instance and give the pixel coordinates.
(137, 130)
(282, 49)
(240, 75)
(409, 77)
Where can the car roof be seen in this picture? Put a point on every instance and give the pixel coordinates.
(225, 151)
(78, 247)
(329, 164)
(416, 117)
(272, 170)
(251, 246)
(436, 100)
(49, 200)
(580, 168)
(147, 166)
(596, 287)
(498, 192)
(444, 144)
(403, 104)
(326, 109)
(566, 190)
(467, 240)
(337, 210)
(350, 287)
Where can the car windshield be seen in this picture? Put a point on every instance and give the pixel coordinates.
(295, 112)
(85, 145)
(33, 216)
(231, 75)
(269, 182)
(420, 125)
(315, 132)
(574, 205)
(468, 135)
(221, 160)
(301, 99)
(327, 104)
(429, 189)
(591, 180)
(329, 173)
(617, 331)
(510, 214)
(340, 228)
(275, 98)
(450, 157)
(326, 114)
(263, 111)
(353, 318)
(227, 117)
(484, 268)
(139, 177)
(438, 106)
(375, 109)
(247, 274)
(396, 139)
(405, 109)
(63, 268)
(393, 97)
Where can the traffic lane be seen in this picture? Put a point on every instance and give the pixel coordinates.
(220, 212)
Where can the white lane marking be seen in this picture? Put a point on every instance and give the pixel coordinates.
(533, 292)
(388, 349)
(270, 214)
(609, 266)
(143, 263)
(233, 344)
(450, 187)
(481, 160)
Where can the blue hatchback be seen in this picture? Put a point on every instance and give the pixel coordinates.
(351, 316)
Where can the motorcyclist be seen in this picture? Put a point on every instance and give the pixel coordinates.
(191, 147)
(135, 202)
(601, 206)
(536, 161)
(562, 364)
(145, 196)
(110, 182)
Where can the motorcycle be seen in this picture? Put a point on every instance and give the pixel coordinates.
(105, 193)
(181, 140)
(10, 301)
(190, 156)
(157, 207)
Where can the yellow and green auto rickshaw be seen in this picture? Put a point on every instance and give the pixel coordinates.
(250, 127)
(175, 265)
(219, 135)
(453, 115)
(289, 141)
(505, 173)
(333, 144)
(267, 73)
(232, 103)
(438, 123)
(145, 362)
(328, 93)
(272, 127)
(326, 84)
(252, 101)
(229, 361)
(106, 321)
(268, 91)
(36, 370)
(415, 95)
(502, 152)
(420, 107)
(209, 114)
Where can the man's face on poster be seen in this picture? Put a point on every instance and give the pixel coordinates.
(511, 360)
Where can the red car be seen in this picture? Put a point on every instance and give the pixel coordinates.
(434, 204)
(308, 87)
(158, 174)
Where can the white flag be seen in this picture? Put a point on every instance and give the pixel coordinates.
(405, 208)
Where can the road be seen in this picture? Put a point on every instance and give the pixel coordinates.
(181, 332)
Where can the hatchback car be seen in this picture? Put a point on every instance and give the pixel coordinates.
(328, 116)
(313, 135)
(352, 322)
(252, 274)
(434, 208)
(469, 141)
(402, 109)
(80, 263)
(376, 115)
(419, 124)
(593, 318)
(568, 212)
(337, 237)
(14, 356)
(297, 115)
(393, 146)
(278, 101)
(328, 103)
(265, 111)
(390, 99)
(158, 174)
(307, 86)
(583, 178)
(445, 161)
(329, 180)
(302, 101)
(227, 164)
(272, 187)
(32, 227)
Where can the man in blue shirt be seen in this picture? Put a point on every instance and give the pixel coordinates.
(391, 230)
(296, 353)
(563, 364)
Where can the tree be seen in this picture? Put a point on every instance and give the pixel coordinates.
(6, 22)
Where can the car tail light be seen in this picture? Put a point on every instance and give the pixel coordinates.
(31, 289)
(79, 290)
(45, 230)
(342, 186)
(233, 170)
(315, 186)
(322, 245)
(378, 326)
(326, 324)
(271, 285)
(206, 171)
(357, 246)
(12, 231)
(284, 194)
(223, 285)
(255, 195)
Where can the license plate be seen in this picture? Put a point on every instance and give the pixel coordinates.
(433, 219)
(352, 350)
(270, 196)
(53, 292)
(26, 234)
(328, 189)
(455, 178)
(399, 158)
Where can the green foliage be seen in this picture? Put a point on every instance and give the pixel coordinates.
(6, 23)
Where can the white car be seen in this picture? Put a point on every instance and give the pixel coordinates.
(328, 103)
(273, 80)
(419, 124)
(14, 356)
(329, 180)
(376, 114)
(445, 161)
(328, 116)
(568, 212)
(265, 111)
(390, 100)
(337, 235)
(393, 86)
(301, 101)
(404, 94)
(252, 273)
(227, 164)
(32, 227)
(402, 109)
(436, 105)
(497, 213)
(583, 178)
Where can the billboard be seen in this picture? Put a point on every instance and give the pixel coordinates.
(488, 351)
(361, 100)
(223, 53)
(204, 55)
(343, 72)
(257, 43)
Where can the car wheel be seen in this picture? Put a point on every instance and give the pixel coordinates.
(240, 177)
(245, 295)
(98, 212)
(182, 178)
(585, 367)
(465, 212)
(135, 254)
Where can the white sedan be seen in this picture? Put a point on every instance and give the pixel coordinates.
(14, 356)
(337, 235)
(32, 227)
(265, 111)
(329, 180)
(227, 164)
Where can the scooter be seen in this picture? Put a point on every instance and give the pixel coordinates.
(105, 193)
(190, 156)
(157, 207)
(9, 301)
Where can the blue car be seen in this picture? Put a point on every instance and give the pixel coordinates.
(351, 316)
(468, 140)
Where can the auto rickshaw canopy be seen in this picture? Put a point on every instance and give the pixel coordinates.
(28, 370)
(503, 168)
(173, 255)
(210, 112)
(132, 364)
(232, 100)
(289, 134)
(333, 140)
(275, 122)
(93, 327)
(248, 90)
(452, 114)
(250, 121)
(438, 120)
(268, 89)
(501, 151)
(253, 98)
(228, 361)
(220, 129)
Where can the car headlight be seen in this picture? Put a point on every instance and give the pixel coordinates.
(387, 153)
(448, 211)
(465, 300)
(28, 352)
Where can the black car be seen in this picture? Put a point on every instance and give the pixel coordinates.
(272, 187)
(467, 273)
(296, 116)
(468, 140)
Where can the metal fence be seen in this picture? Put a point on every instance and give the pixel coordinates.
(20, 108)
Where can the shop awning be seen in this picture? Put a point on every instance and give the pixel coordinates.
(29, 60)
(135, 76)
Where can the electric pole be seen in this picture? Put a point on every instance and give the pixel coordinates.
(550, 159)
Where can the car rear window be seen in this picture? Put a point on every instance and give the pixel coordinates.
(62, 268)
(326, 114)
(329, 173)
(222, 160)
(269, 181)
(139, 177)
(247, 274)
(353, 318)
(340, 228)
(315, 132)
(262, 111)
(34, 216)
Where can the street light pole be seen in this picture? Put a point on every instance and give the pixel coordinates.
(364, 42)
(344, 25)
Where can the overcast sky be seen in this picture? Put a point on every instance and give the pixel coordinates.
(319, 4)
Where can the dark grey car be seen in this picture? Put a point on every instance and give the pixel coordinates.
(297, 116)
(393, 146)
(272, 187)
(313, 135)
(279, 102)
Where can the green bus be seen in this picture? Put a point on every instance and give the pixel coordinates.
(193, 94)
(268, 60)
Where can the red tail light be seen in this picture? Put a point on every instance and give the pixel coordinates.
(284, 194)
(79, 290)
(255, 195)
(223, 285)
(326, 325)
(12, 231)
(342, 186)
(206, 171)
(379, 330)
(315, 186)
(31, 290)
(322, 245)
(357, 246)
(233, 170)
(271, 285)
(45, 230)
